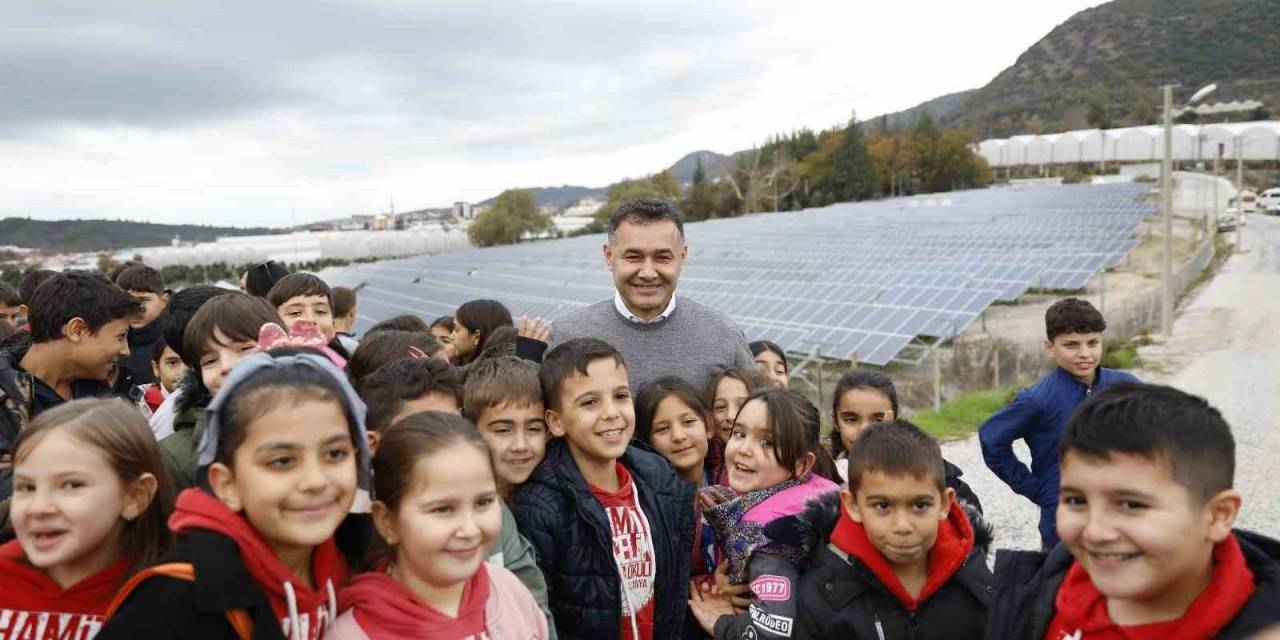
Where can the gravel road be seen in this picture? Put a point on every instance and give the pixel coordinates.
(1225, 348)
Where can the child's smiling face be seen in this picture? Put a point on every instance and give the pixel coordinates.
(1144, 539)
(595, 414)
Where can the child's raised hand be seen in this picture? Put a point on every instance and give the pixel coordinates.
(737, 593)
(707, 606)
(533, 328)
(709, 497)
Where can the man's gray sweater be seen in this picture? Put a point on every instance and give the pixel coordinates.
(694, 342)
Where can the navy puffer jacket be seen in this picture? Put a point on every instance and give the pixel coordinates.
(570, 533)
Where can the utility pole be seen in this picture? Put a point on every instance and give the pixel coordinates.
(1166, 203)
(1239, 191)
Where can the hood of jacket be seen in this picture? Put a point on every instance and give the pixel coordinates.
(814, 526)
(194, 394)
(27, 588)
(385, 608)
(289, 596)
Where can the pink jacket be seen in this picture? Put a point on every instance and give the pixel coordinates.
(510, 613)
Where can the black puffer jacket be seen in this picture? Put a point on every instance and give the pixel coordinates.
(1027, 584)
(570, 533)
(841, 598)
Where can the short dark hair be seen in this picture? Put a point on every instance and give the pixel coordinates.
(499, 380)
(896, 448)
(385, 391)
(645, 211)
(1158, 423)
(120, 268)
(9, 296)
(569, 359)
(177, 314)
(262, 276)
(298, 284)
(141, 278)
(652, 394)
(344, 300)
(238, 316)
(1072, 315)
(157, 349)
(402, 322)
(76, 294)
(32, 281)
(384, 347)
(859, 379)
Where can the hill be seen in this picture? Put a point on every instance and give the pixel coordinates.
(716, 165)
(1117, 55)
(558, 197)
(76, 236)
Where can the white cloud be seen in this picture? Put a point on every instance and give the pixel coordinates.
(273, 113)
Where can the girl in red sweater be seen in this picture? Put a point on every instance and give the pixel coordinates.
(90, 498)
(436, 505)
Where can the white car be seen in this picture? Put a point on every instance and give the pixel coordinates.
(1228, 219)
(1269, 201)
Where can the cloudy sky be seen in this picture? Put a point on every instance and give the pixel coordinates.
(278, 113)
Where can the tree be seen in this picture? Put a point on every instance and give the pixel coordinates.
(1098, 117)
(661, 185)
(512, 216)
(854, 175)
(699, 199)
(1144, 111)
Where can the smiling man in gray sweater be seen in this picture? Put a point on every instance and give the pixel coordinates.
(657, 332)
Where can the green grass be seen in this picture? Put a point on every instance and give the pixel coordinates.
(1121, 357)
(963, 414)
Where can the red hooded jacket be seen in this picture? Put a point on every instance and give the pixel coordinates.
(304, 612)
(949, 552)
(32, 605)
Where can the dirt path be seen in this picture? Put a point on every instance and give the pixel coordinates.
(1226, 348)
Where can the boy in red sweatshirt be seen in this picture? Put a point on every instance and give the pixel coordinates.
(904, 560)
(1145, 517)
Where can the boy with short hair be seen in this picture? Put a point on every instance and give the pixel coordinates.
(168, 368)
(147, 286)
(503, 397)
(12, 311)
(406, 387)
(1146, 519)
(902, 557)
(79, 330)
(304, 296)
(612, 523)
(344, 317)
(1037, 414)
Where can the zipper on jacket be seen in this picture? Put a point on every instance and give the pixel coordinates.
(879, 629)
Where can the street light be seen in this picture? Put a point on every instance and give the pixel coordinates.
(1166, 203)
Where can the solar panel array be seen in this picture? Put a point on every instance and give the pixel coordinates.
(858, 280)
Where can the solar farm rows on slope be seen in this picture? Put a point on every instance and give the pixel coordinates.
(852, 280)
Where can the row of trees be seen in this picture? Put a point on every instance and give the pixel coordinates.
(788, 172)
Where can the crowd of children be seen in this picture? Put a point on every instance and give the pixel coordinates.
(240, 464)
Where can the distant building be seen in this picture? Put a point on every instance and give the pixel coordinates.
(463, 210)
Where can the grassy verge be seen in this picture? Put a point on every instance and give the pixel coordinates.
(963, 414)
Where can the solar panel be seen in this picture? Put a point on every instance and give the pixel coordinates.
(850, 280)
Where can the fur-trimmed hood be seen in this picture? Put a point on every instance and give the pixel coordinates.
(812, 528)
(194, 394)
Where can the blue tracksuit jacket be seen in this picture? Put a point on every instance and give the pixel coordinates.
(1038, 414)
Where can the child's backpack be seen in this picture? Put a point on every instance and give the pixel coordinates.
(238, 618)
